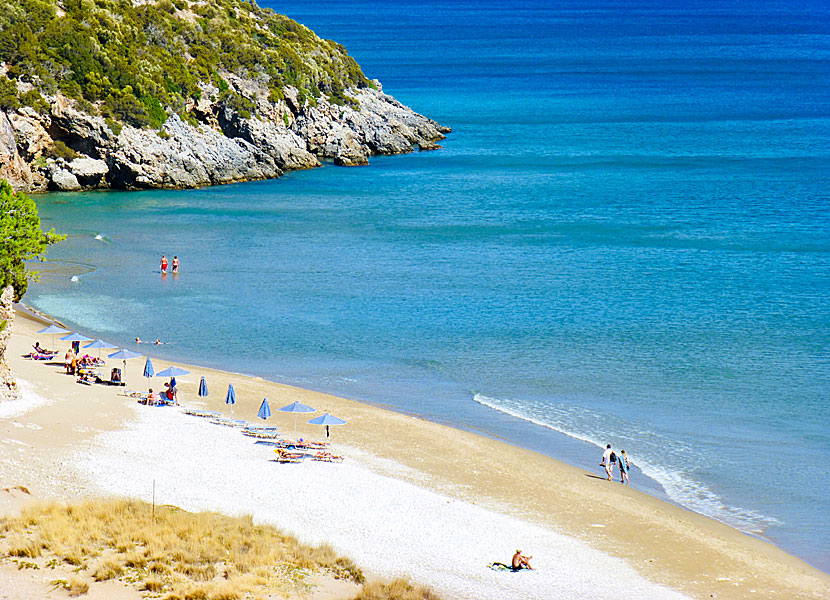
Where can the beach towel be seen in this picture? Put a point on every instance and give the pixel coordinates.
(497, 566)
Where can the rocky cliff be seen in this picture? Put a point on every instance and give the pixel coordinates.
(219, 146)
(182, 93)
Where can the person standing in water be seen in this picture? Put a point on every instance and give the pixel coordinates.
(163, 263)
(175, 264)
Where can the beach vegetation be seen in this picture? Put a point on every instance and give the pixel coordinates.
(170, 552)
(138, 63)
(397, 589)
(21, 238)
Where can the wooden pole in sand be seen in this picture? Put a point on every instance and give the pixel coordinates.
(154, 499)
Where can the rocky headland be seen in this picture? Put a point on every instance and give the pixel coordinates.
(235, 123)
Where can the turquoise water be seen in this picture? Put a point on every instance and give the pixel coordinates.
(626, 239)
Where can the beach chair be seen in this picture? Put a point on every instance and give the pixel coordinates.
(327, 457)
(115, 377)
(284, 456)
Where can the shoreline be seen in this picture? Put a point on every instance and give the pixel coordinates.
(661, 542)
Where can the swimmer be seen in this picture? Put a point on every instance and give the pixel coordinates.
(175, 264)
(137, 341)
(158, 342)
(163, 263)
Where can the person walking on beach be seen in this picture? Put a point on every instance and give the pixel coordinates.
(163, 263)
(608, 460)
(624, 467)
(175, 264)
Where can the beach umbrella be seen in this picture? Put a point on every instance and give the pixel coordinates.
(99, 344)
(327, 420)
(231, 397)
(172, 372)
(148, 368)
(297, 408)
(124, 355)
(54, 330)
(203, 391)
(76, 337)
(264, 410)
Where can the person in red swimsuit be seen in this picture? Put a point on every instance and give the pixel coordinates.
(163, 263)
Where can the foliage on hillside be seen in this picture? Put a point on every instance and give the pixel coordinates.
(138, 62)
(20, 238)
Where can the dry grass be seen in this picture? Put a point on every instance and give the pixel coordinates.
(77, 587)
(399, 589)
(177, 554)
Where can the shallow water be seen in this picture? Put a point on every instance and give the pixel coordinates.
(626, 239)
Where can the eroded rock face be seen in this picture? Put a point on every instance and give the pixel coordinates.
(223, 147)
(8, 385)
(12, 167)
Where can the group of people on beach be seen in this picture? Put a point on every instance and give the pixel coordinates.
(611, 458)
(174, 265)
(169, 396)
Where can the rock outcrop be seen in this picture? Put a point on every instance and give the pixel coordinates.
(8, 386)
(70, 149)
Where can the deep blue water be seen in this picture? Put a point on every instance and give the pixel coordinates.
(625, 239)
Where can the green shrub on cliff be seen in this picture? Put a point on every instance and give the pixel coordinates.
(21, 238)
(138, 64)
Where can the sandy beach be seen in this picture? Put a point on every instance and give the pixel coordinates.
(412, 498)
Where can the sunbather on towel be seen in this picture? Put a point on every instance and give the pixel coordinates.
(520, 561)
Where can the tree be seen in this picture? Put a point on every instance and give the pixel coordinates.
(21, 238)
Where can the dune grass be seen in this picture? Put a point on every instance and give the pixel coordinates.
(176, 555)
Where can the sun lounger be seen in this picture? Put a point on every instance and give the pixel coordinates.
(206, 414)
(283, 456)
(40, 356)
(264, 434)
(326, 457)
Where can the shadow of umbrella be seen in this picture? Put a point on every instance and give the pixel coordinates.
(296, 408)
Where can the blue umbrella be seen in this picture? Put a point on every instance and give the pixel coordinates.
(327, 420)
(296, 408)
(76, 337)
(231, 397)
(172, 372)
(99, 344)
(124, 355)
(264, 410)
(54, 330)
(203, 391)
(148, 368)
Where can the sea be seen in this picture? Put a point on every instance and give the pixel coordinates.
(624, 240)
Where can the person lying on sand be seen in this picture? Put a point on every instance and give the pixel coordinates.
(520, 561)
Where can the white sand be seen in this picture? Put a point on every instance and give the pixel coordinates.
(386, 525)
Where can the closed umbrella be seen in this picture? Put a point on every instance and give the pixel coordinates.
(296, 408)
(327, 420)
(124, 355)
(231, 397)
(264, 410)
(54, 330)
(148, 368)
(203, 391)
